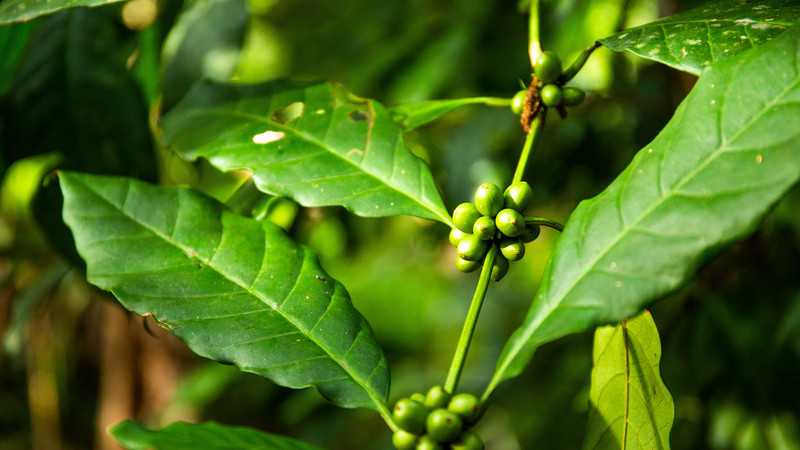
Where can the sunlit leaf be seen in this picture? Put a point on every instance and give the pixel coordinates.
(727, 156)
(317, 144)
(630, 407)
(23, 10)
(413, 115)
(236, 290)
(691, 40)
(208, 435)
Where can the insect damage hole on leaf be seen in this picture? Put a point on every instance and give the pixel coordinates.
(288, 114)
(358, 116)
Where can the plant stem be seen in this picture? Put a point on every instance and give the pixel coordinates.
(534, 48)
(577, 65)
(530, 142)
(544, 221)
(457, 366)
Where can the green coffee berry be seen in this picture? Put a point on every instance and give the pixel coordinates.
(547, 67)
(488, 199)
(464, 217)
(518, 102)
(484, 228)
(573, 96)
(509, 222)
(512, 248)
(443, 425)
(551, 95)
(472, 248)
(428, 443)
(455, 236)
(467, 266)
(518, 196)
(467, 441)
(500, 268)
(531, 233)
(410, 415)
(437, 397)
(418, 397)
(467, 406)
(403, 440)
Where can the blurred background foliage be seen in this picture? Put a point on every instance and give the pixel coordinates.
(82, 90)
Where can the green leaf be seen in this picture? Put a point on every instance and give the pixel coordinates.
(13, 41)
(208, 435)
(12, 11)
(630, 407)
(317, 144)
(691, 40)
(725, 158)
(234, 289)
(413, 115)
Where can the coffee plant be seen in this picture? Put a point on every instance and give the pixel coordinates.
(192, 205)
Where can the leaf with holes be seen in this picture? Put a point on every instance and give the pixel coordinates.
(317, 144)
(691, 40)
(12, 11)
(629, 405)
(208, 435)
(413, 115)
(234, 289)
(726, 157)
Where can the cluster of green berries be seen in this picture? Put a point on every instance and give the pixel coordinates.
(494, 219)
(437, 421)
(552, 92)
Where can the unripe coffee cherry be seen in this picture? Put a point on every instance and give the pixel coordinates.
(518, 102)
(455, 236)
(531, 233)
(467, 441)
(484, 228)
(500, 268)
(551, 95)
(518, 196)
(466, 267)
(512, 248)
(410, 415)
(547, 67)
(464, 217)
(428, 443)
(488, 199)
(472, 248)
(437, 397)
(467, 406)
(509, 222)
(573, 96)
(403, 440)
(443, 425)
(418, 397)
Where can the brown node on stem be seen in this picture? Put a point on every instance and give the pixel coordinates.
(532, 104)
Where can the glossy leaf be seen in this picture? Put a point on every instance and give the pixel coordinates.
(317, 144)
(691, 40)
(209, 435)
(234, 289)
(413, 115)
(728, 154)
(630, 407)
(12, 11)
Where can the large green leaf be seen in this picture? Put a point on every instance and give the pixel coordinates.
(234, 289)
(727, 156)
(630, 407)
(413, 115)
(315, 143)
(691, 40)
(23, 10)
(205, 436)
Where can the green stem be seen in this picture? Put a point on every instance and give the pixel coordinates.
(530, 142)
(457, 366)
(534, 48)
(577, 65)
(544, 221)
(387, 417)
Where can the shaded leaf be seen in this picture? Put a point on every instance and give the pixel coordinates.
(630, 407)
(317, 144)
(234, 289)
(13, 41)
(691, 40)
(727, 156)
(413, 115)
(23, 10)
(209, 435)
